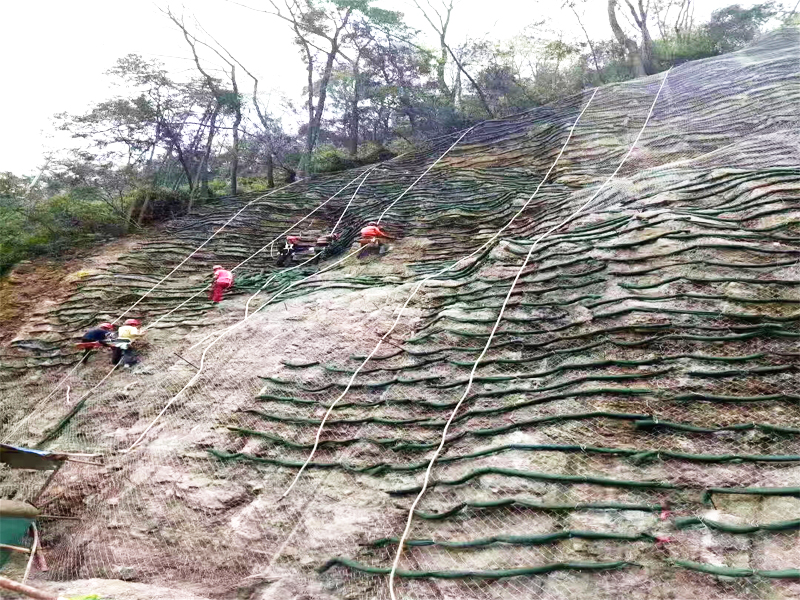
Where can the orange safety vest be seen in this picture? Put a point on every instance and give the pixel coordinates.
(224, 277)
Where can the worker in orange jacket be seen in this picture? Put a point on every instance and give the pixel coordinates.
(371, 237)
(223, 279)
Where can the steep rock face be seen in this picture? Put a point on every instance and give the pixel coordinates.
(633, 422)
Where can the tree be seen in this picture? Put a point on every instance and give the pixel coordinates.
(641, 54)
(733, 27)
(318, 26)
(157, 123)
(679, 23)
(226, 100)
(443, 17)
(571, 4)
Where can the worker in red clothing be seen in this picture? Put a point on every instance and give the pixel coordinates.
(223, 279)
(371, 237)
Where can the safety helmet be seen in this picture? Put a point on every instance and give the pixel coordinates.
(292, 238)
(106, 326)
(216, 267)
(134, 322)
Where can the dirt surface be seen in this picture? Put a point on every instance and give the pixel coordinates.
(114, 589)
(35, 286)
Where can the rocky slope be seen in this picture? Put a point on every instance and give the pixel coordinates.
(632, 429)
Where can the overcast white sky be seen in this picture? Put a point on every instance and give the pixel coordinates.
(54, 52)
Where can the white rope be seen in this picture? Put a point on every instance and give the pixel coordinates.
(408, 189)
(260, 250)
(196, 250)
(341, 216)
(225, 332)
(34, 549)
(179, 306)
(438, 451)
(247, 315)
(414, 293)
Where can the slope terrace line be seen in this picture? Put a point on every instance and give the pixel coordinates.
(71, 371)
(438, 451)
(285, 289)
(419, 286)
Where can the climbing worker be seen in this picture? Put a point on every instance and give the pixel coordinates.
(371, 237)
(101, 334)
(121, 347)
(96, 338)
(290, 246)
(322, 249)
(223, 279)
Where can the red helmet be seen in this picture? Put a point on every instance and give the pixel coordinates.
(134, 322)
(216, 267)
(106, 326)
(292, 238)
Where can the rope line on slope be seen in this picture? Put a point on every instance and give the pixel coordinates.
(225, 332)
(416, 290)
(247, 316)
(555, 227)
(82, 399)
(66, 377)
(271, 243)
(213, 235)
(433, 164)
(353, 197)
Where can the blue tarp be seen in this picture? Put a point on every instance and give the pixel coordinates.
(25, 458)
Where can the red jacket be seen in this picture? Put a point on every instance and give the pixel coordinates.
(372, 231)
(223, 276)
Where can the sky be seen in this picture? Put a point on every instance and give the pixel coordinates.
(55, 52)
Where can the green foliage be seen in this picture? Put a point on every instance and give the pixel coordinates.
(733, 27)
(148, 205)
(679, 49)
(74, 219)
(254, 184)
(729, 29)
(328, 158)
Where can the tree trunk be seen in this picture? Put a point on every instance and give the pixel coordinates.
(353, 141)
(270, 171)
(474, 84)
(591, 45)
(647, 42)
(630, 45)
(202, 168)
(237, 121)
(305, 161)
(185, 165)
(235, 158)
(440, 67)
(323, 94)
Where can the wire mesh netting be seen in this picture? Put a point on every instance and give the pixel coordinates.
(633, 427)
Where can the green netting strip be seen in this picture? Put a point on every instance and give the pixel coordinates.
(653, 424)
(519, 540)
(515, 502)
(734, 572)
(637, 456)
(571, 479)
(685, 522)
(494, 574)
(752, 491)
